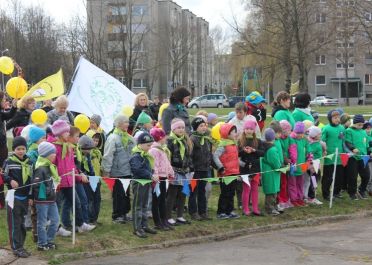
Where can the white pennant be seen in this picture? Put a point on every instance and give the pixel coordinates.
(316, 165)
(55, 185)
(157, 189)
(125, 183)
(10, 198)
(245, 179)
(93, 181)
(166, 184)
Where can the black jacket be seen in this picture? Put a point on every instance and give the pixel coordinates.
(140, 167)
(42, 174)
(4, 116)
(136, 112)
(172, 112)
(252, 160)
(13, 171)
(179, 165)
(21, 119)
(155, 110)
(201, 155)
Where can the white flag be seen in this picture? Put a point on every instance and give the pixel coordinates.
(10, 198)
(125, 183)
(316, 165)
(245, 179)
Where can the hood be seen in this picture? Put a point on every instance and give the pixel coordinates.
(276, 109)
(225, 130)
(329, 116)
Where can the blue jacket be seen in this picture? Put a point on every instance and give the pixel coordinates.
(140, 167)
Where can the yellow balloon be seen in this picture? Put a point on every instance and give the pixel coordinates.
(6, 65)
(82, 122)
(161, 109)
(127, 110)
(215, 131)
(16, 87)
(39, 117)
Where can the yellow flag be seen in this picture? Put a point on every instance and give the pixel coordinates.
(48, 88)
(295, 88)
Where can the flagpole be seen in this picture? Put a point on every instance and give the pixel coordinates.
(73, 207)
(333, 179)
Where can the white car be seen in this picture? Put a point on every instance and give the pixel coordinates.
(324, 101)
(209, 101)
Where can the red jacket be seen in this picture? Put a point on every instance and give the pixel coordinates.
(230, 157)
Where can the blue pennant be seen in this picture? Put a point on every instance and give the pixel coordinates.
(93, 181)
(365, 160)
(186, 187)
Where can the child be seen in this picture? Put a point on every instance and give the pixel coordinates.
(115, 164)
(95, 122)
(141, 165)
(17, 173)
(333, 136)
(144, 124)
(226, 158)
(87, 145)
(65, 164)
(162, 169)
(241, 117)
(43, 190)
(298, 151)
(256, 107)
(356, 141)
(271, 179)
(250, 150)
(345, 120)
(201, 159)
(285, 140)
(212, 119)
(180, 147)
(316, 150)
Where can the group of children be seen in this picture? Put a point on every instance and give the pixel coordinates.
(41, 171)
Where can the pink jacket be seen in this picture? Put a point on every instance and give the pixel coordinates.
(65, 166)
(162, 166)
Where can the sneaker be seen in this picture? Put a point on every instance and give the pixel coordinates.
(317, 202)
(140, 233)
(354, 197)
(283, 205)
(21, 253)
(338, 196)
(149, 214)
(233, 215)
(279, 209)
(258, 214)
(119, 220)
(172, 222)
(195, 217)
(222, 216)
(63, 232)
(43, 247)
(149, 230)
(182, 221)
(362, 195)
(205, 217)
(52, 245)
(129, 218)
(274, 212)
(289, 204)
(85, 228)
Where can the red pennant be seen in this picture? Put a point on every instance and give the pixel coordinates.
(344, 159)
(193, 184)
(110, 183)
(256, 177)
(304, 167)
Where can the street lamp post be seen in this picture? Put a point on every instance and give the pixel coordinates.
(2, 74)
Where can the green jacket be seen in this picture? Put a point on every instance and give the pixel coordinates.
(316, 149)
(270, 180)
(357, 138)
(333, 137)
(302, 146)
(285, 145)
(369, 140)
(284, 115)
(301, 115)
(278, 146)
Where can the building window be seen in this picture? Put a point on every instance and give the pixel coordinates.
(139, 10)
(344, 65)
(368, 16)
(320, 17)
(320, 80)
(139, 83)
(368, 58)
(320, 60)
(139, 28)
(118, 10)
(139, 65)
(368, 79)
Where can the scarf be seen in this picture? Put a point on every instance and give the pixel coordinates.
(65, 148)
(226, 142)
(44, 162)
(202, 137)
(79, 156)
(32, 147)
(144, 155)
(180, 107)
(178, 140)
(26, 168)
(124, 136)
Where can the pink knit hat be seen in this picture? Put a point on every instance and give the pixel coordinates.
(177, 123)
(157, 134)
(59, 127)
(250, 124)
(286, 126)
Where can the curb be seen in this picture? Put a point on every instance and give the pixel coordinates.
(219, 237)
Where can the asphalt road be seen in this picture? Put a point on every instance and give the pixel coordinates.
(346, 243)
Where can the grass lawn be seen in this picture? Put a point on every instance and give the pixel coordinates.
(115, 236)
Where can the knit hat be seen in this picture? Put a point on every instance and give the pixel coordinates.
(19, 141)
(314, 131)
(196, 122)
(59, 127)
(344, 118)
(255, 98)
(177, 123)
(358, 118)
(86, 142)
(35, 134)
(45, 149)
(203, 117)
(96, 118)
(143, 118)
(366, 125)
(157, 134)
(250, 124)
(145, 138)
(211, 117)
(308, 124)
(299, 127)
(269, 135)
(286, 126)
(275, 125)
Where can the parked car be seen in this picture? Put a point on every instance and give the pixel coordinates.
(324, 101)
(210, 101)
(234, 100)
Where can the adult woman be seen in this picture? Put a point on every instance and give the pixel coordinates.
(4, 116)
(281, 108)
(302, 111)
(179, 99)
(60, 112)
(141, 103)
(22, 117)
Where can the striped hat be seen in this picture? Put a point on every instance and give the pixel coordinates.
(45, 149)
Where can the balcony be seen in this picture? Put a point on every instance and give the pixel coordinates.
(116, 19)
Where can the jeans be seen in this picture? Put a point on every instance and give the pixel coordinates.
(140, 201)
(67, 206)
(45, 212)
(83, 201)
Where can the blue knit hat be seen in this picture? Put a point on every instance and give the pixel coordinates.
(255, 98)
(358, 118)
(35, 134)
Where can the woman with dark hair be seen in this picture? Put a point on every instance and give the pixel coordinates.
(302, 110)
(141, 103)
(4, 116)
(178, 101)
(281, 108)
